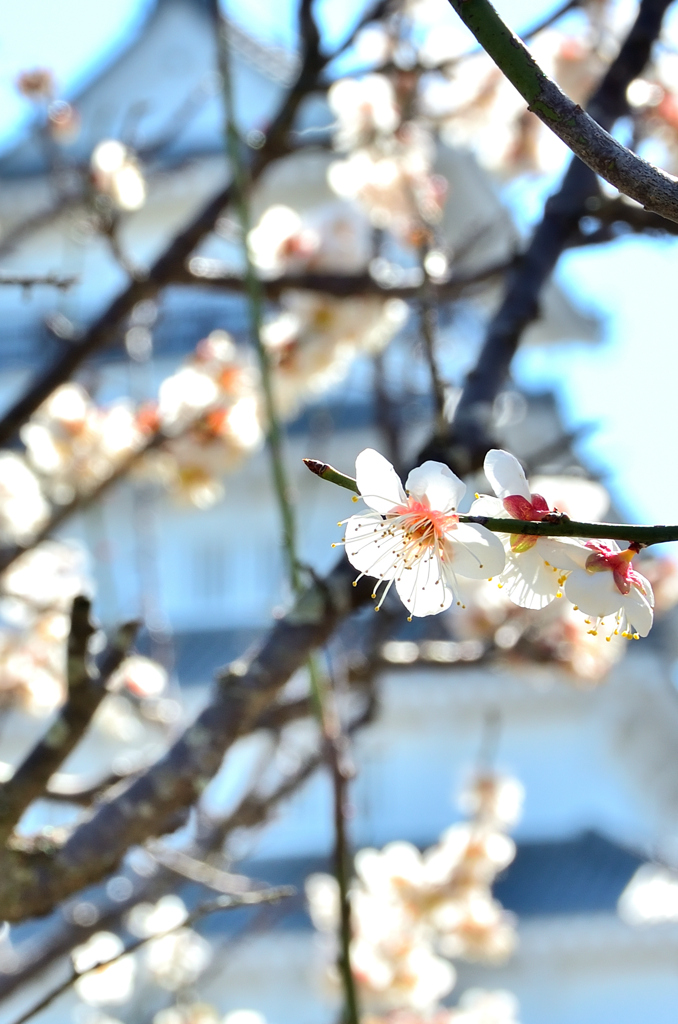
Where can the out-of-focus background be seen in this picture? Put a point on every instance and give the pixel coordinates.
(102, 163)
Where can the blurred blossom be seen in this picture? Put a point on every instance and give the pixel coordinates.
(63, 122)
(333, 238)
(112, 983)
(147, 919)
(178, 959)
(494, 799)
(37, 84)
(313, 341)
(408, 907)
(100, 948)
(141, 676)
(23, 508)
(49, 575)
(365, 108)
(243, 1017)
(183, 395)
(35, 599)
(75, 445)
(213, 406)
(478, 1006)
(650, 897)
(116, 173)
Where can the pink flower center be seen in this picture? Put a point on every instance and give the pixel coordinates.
(533, 511)
(605, 559)
(423, 523)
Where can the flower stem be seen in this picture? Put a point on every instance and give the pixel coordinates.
(336, 754)
(254, 291)
(561, 526)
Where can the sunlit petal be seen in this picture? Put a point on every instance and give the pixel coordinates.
(505, 474)
(437, 484)
(378, 481)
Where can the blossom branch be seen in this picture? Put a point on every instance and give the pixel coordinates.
(653, 188)
(246, 899)
(468, 440)
(559, 526)
(211, 273)
(86, 690)
(254, 810)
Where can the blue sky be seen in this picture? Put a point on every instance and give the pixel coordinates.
(627, 385)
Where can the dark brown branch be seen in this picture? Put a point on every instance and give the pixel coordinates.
(86, 690)
(253, 811)
(31, 281)
(468, 441)
(33, 884)
(214, 274)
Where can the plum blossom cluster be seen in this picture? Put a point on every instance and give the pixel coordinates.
(62, 120)
(36, 593)
(413, 912)
(73, 445)
(388, 166)
(462, 96)
(116, 173)
(35, 599)
(172, 957)
(413, 538)
(313, 338)
(210, 411)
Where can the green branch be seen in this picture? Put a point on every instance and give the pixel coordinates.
(561, 526)
(648, 185)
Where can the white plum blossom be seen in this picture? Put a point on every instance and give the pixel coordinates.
(414, 538)
(364, 109)
(606, 584)
(536, 567)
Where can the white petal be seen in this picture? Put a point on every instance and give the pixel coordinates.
(421, 588)
(505, 474)
(594, 592)
(436, 482)
(638, 609)
(528, 581)
(585, 501)
(486, 505)
(474, 552)
(565, 553)
(378, 482)
(368, 548)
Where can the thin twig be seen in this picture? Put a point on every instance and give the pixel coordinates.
(32, 281)
(342, 772)
(221, 903)
(428, 323)
(255, 300)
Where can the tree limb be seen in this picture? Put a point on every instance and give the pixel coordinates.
(467, 442)
(653, 188)
(86, 690)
